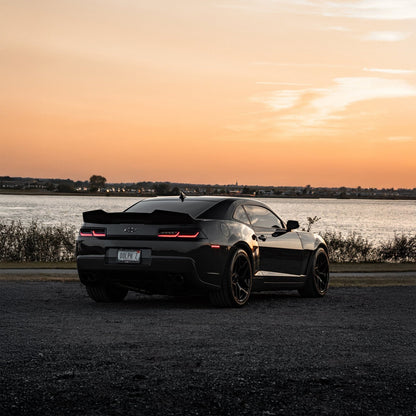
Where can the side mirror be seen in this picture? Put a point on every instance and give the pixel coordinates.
(292, 225)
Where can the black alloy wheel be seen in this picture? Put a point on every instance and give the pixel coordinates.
(318, 277)
(237, 282)
(241, 279)
(321, 272)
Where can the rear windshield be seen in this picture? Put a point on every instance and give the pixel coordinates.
(193, 208)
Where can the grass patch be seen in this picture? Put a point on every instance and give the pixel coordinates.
(372, 267)
(371, 281)
(38, 265)
(395, 278)
(38, 278)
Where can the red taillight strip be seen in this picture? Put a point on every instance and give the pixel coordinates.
(176, 234)
(88, 232)
(169, 235)
(97, 234)
(189, 235)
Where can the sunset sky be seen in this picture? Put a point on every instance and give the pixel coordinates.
(270, 92)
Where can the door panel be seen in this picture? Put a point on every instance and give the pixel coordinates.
(280, 252)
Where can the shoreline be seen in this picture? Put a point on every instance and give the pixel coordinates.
(135, 195)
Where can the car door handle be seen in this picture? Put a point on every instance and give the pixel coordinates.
(262, 237)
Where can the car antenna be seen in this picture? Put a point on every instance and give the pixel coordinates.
(182, 196)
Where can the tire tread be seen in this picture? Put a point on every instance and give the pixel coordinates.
(222, 297)
(310, 290)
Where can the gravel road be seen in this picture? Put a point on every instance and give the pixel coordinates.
(350, 353)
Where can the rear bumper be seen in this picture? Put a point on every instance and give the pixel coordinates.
(159, 274)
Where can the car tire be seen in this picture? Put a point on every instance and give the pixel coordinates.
(106, 293)
(236, 282)
(317, 281)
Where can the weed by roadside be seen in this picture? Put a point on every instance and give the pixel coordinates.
(353, 248)
(40, 243)
(35, 242)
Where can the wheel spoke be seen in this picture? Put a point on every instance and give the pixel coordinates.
(321, 272)
(241, 279)
(242, 269)
(241, 292)
(320, 281)
(244, 291)
(235, 289)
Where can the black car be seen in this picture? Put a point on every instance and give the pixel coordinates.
(221, 246)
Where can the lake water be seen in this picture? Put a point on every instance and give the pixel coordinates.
(373, 219)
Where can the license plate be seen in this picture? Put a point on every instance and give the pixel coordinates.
(129, 256)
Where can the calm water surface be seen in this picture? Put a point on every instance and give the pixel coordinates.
(373, 219)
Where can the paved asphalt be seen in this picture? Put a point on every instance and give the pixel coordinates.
(349, 353)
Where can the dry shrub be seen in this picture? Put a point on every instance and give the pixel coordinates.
(349, 249)
(355, 249)
(35, 242)
(401, 249)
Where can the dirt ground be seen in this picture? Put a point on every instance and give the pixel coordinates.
(350, 353)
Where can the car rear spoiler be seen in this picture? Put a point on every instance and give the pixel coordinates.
(156, 217)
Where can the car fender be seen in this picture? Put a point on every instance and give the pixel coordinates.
(311, 241)
(229, 234)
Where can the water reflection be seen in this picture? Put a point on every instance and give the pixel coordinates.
(373, 219)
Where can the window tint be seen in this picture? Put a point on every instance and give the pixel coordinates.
(218, 211)
(262, 217)
(191, 207)
(240, 215)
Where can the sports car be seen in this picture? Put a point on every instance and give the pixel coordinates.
(224, 247)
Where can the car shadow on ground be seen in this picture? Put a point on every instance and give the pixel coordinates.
(142, 301)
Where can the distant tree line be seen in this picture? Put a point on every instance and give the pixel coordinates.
(98, 183)
(164, 188)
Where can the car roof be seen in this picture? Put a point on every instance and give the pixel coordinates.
(217, 206)
(207, 198)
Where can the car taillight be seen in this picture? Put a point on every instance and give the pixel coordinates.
(178, 234)
(93, 232)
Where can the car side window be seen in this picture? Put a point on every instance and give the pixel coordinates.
(241, 215)
(261, 217)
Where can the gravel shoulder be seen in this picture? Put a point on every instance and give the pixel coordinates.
(338, 279)
(350, 353)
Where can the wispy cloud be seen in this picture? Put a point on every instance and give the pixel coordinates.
(401, 138)
(299, 110)
(338, 28)
(281, 83)
(360, 9)
(264, 6)
(347, 91)
(372, 9)
(295, 64)
(282, 99)
(386, 36)
(391, 71)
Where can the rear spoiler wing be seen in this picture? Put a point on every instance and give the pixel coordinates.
(156, 217)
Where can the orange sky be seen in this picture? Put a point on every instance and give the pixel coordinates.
(272, 92)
